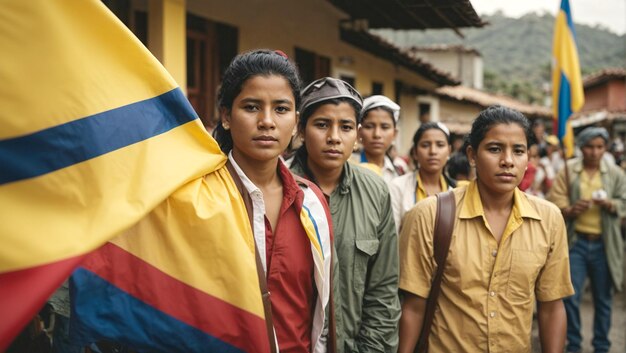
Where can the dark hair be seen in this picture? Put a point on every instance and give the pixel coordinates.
(425, 127)
(386, 109)
(497, 115)
(458, 164)
(261, 62)
(305, 115)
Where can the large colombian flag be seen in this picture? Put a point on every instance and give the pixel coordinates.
(98, 144)
(567, 88)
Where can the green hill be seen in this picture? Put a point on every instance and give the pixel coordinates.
(517, 51)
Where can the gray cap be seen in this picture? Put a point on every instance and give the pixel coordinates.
(590, 133)
(328, 88)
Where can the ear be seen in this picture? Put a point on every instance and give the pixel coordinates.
(225, 117)
(295, 127)
(395, 133)
(471, 156)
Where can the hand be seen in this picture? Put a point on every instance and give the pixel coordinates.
(605, 203)
(579, 207)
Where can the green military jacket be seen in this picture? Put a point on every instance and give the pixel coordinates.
(614, 183)
(368, 307)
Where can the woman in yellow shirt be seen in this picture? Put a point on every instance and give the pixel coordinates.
(507, 251)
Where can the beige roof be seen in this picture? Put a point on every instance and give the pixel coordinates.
(486, 99)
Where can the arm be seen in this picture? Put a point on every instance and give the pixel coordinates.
(381, 305)
(559, 196)
(552, 326)
(413, 310)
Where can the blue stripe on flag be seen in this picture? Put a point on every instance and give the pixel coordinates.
(80, 140)
(565, 105)
(317, 233)
(118, 316)
(568, 15)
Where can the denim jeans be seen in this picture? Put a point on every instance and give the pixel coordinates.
(589, 257)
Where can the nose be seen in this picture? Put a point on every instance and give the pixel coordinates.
(265, 119)
(376, 132)
(332, 137)
(507, 159)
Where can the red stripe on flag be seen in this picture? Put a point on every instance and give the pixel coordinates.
(24, 292)
(205, 312)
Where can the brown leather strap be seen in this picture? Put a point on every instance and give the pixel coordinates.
(265, 294)
(444, 224)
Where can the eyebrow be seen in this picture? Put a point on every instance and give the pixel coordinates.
(259, 101)
(498, 143)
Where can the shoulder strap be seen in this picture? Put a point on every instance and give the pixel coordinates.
(265, 294)
(444, 224)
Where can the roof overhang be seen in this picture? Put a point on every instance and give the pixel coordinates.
(412, 14)
(387, 51)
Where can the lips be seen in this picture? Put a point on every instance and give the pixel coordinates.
(334, 153)
(265, 138)
(506, 176)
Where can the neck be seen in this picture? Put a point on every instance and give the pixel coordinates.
(496, 202)
(591, 167)
(377, 160)
(429, 178)
(260, 173)
(327, 180)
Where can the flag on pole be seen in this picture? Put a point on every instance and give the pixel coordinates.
(97, 140)
(567, 89)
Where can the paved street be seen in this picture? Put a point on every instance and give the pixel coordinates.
(618, 327)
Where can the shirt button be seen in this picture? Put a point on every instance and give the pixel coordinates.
(492, 294)
(492, 314)
(494, 253)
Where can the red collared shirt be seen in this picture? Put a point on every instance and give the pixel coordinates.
(290, 271)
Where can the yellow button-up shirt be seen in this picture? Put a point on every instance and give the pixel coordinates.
(488, 289)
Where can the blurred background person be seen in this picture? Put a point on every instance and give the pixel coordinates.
(430, 151)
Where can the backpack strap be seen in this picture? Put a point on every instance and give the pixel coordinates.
(265, 294)
(444, 224)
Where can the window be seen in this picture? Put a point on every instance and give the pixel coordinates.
(311, 65)
(377, 88)
(424, 112)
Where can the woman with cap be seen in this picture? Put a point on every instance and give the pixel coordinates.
(591, 194)
(365, 235)
(430, 151)
(290, 219)
(377, 132)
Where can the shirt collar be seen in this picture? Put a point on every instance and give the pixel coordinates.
(473, 207)
(249, 185)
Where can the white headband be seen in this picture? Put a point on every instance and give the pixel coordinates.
(372, 102)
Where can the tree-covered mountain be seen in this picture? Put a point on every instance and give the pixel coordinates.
(517, 51)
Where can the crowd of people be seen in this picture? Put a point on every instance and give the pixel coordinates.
(529, 227)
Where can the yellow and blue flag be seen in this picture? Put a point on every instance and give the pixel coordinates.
(105, 166)
(567, 89)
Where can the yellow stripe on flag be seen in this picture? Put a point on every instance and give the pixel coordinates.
(64, 60)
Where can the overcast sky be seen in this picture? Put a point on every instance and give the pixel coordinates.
(609, 13)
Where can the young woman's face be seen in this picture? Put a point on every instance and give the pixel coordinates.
(329, 135)
(501, 158)
(377, 132)
(262, 119)
(432, 151)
